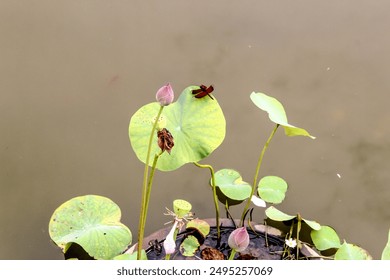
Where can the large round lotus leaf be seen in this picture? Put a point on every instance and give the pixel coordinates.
(197, 125)
(276, 113)
(232, 186)
(93, 222)
(351, 252)
(131, 257)
(272, 189)
(325, 238)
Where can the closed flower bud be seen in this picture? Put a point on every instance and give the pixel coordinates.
(165, 95)
(239, 239)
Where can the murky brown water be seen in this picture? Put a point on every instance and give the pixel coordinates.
(73, 72)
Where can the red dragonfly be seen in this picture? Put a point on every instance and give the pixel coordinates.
(203, 91)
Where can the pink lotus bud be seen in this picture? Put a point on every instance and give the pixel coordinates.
(239, 239)
(165, 95)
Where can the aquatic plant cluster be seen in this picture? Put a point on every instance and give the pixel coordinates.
(165, 135)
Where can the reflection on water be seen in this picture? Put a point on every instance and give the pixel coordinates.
(73, 74)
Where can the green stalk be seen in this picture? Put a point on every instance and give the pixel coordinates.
(214, 196)
(144, 202)
(289, 235)
(150, 182)
(232, 254)
(257, 173)
(299, 225)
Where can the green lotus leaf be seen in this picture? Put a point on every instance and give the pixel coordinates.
(351, 252)
(231, 185)
(131, 257)
(202, 226)
(189, 246)
(277, 114)
(272, 189)
(314, 225)
(277, 215)
(93, 222)
(386, 250)
(197, 125)
(325, 238)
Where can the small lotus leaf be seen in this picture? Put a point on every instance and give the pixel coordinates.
(386, 250)
(351, 252)
(197, 125)
(272, 189)
(231, 184)
(189, 246)
(277, 215)
(277, 114)
(202, 226)
(93, 222)
(325, 238)
(314, 225)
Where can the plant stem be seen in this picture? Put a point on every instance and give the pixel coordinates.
(149, 186)
(299, 225)
(289, 235)
(257, 172)
(144, 202)
(232, 254)
(214, 197)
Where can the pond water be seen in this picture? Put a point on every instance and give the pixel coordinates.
(73, 72)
